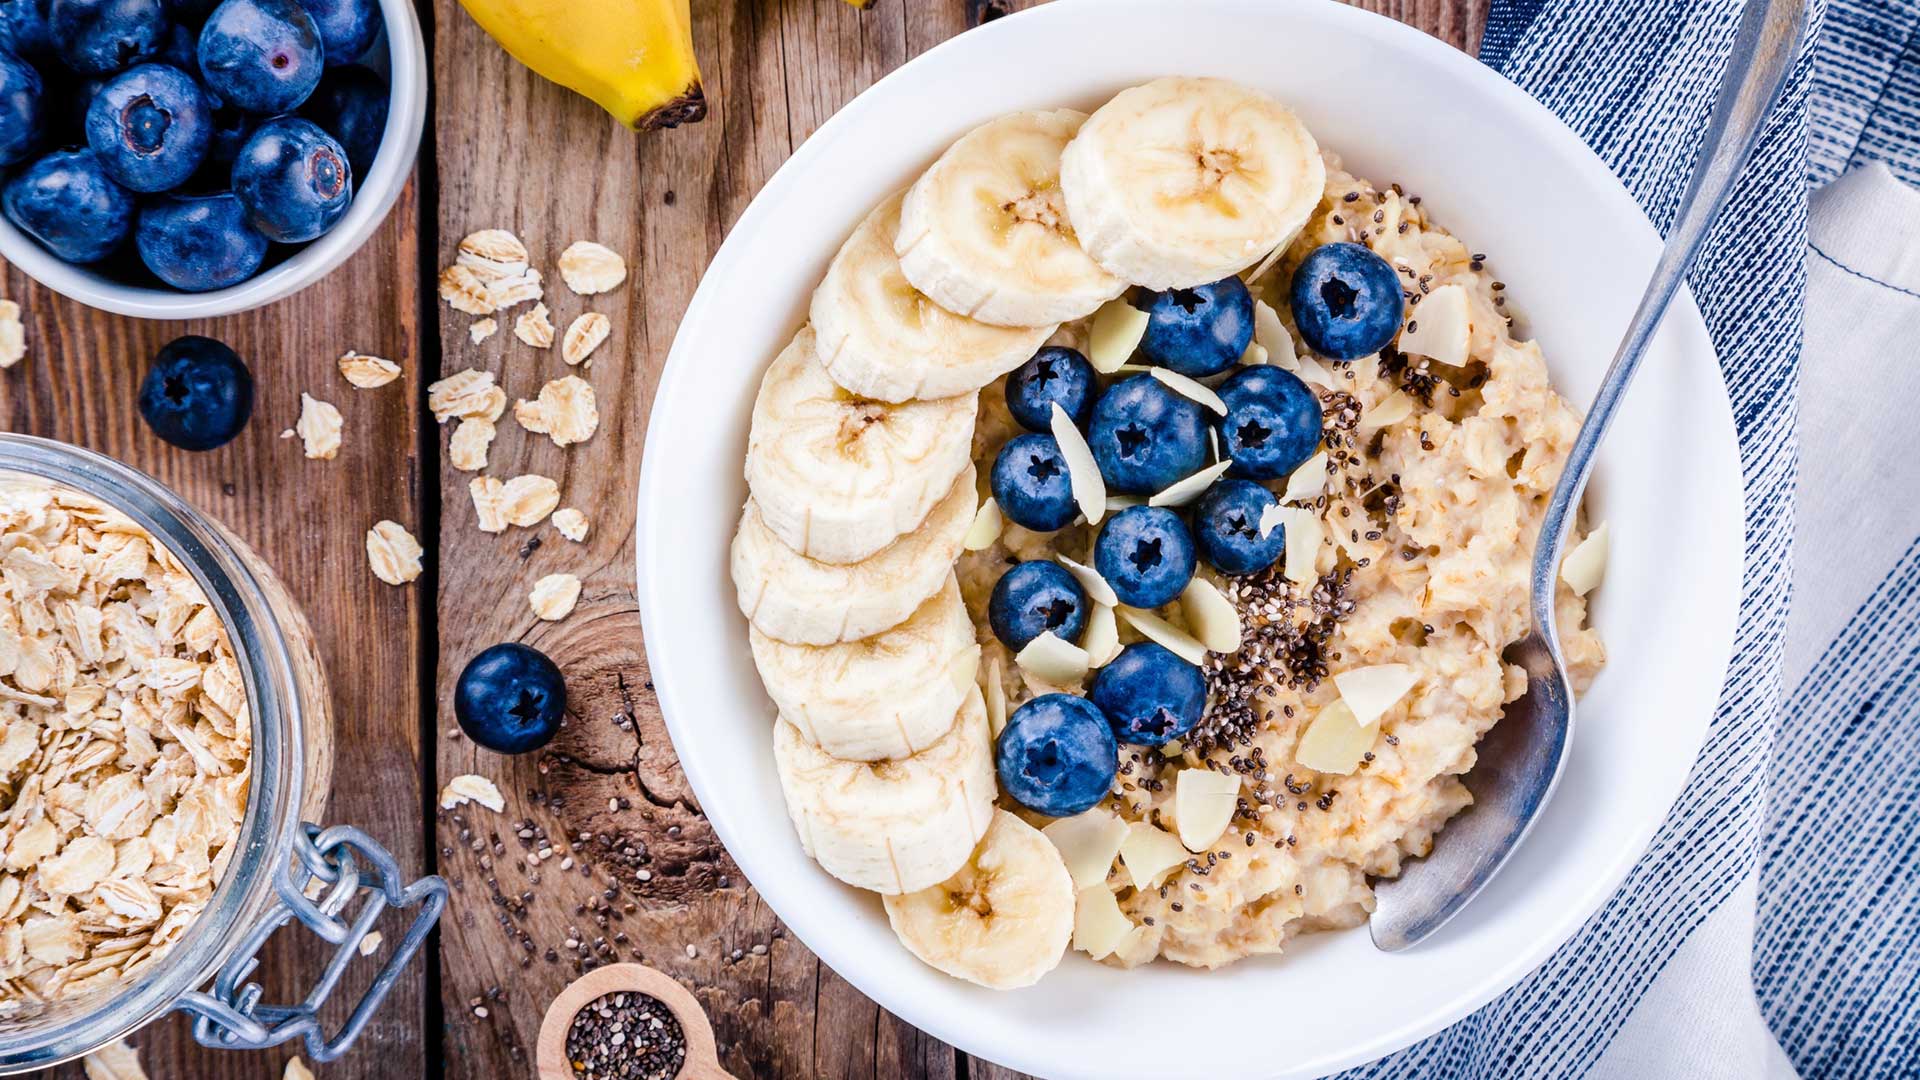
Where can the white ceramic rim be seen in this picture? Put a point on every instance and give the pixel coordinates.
(1002, 1032)
(374, 196)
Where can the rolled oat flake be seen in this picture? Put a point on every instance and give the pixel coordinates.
(626, 1036)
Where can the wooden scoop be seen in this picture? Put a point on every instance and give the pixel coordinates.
(702, 1060)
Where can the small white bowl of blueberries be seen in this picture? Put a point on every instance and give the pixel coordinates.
(178, 159)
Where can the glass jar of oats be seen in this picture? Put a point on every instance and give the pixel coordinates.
(165, 738)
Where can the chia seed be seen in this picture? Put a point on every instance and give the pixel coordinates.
(626, 1036)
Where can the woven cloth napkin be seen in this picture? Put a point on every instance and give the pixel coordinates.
(1771, 929)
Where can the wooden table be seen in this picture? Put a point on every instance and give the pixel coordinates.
(508, 150)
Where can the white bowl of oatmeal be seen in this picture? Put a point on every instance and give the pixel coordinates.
(1571, 250)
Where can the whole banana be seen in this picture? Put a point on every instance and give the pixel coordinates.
(633, 57)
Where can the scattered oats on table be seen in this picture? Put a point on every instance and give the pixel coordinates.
(492, 254)
(296, 1070)
(393, 553)
(371, 943)
(464, 291)
(367, 372)
(13, 335)
(470, 788)
(514, 291)
(571, 523)
(115, 1061)
(467, 450)
(553, 596)
(527, 500)
(565, 411)
(489, 503)
(481, 330)
(584, 335)
(589, 268)
(318, 427)
(535, 328)
(466, 393)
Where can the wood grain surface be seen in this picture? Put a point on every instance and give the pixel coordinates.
(649, 881)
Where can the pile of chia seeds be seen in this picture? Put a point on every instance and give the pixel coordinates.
(626, 1036)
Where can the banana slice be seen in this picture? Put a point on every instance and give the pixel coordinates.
(888, 696)
(838, 476)
(891, 826)
(880, 337)
(1003, 920)
(792, 598)
(1183, 181)
(984, 231)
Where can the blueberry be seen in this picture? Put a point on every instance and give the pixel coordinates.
(1149, 694)
(150, 127)
(231, 129)
(1034, 598)
(22, 109)
(199, 242)
(94, 37)
(263, 56)
(1272, 422)
(510, 698)
(1226, 526)
(347, 27)
(351, 106)
(198, 394)
(190, 12)
(1057, 756)
(1199, 331)
(1031, 484)
(1055, 376)
(1346, 301)
(293, 178)
(1145, 436)
(66, 201)
(1146, 555)
(23, 28)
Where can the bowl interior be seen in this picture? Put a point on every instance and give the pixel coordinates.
(1496, 169)
(400, 54)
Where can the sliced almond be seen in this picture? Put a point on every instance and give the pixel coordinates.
(1586, 564)
(1306, 483)
(1314, 373)
(1116, 332)
(1271, 335)
(996, 695)
(1387, 412)
(1149, 853)
(1211, 616)
(1165, 634)
(986, 527)
(1121, 502)
(1439, 327)
(1334, 743)
(1099, 926)
(1255, 355)
(584, 335)
(1102, 637)
(1088, 843)
(1096, 586)
(1182, 492)
(1053, 660)
(1089, 487)
(1304, 534)
(1189, 388)
(1370, 691)
(1203, 806)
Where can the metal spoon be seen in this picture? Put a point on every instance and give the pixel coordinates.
(1520, 759)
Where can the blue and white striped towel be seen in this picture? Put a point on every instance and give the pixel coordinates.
(1774, 926)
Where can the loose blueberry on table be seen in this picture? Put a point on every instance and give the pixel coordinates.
(1226, 526)
(1145, 437)
(198, 394)
(199, 242)
(293, 179)
(510, 698)
(1272, 424)
(1346, 301)
(1146, 554)
(1031, 483)
(1055, 376)
(1149, 694)
(1037, 598)
(1057, 755)
(1199, 331)
(150, 127)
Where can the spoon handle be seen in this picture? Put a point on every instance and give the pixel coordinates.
(1763, 52)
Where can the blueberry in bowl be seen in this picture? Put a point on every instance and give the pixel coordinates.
(510, 698)
(1145, 437)
(1149, 694)
(150, 127)
(197, 243)
(347, 27)
(94, 37)
(1032, 485)
(1272, 424)
(294, 180)
(264, 56)
(22, 109)
(23, 28)
(198, 394)
(1057, 755)
(1037, 598)
(67, 201)
(1226, 527)
(351, 105)
(1056, 375)
(1199, 331)
(1146, 554)
(1346, 301)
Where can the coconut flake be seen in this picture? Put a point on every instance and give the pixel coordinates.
(1586, 564)
(1388, 411)
(1165, 634)
(1116, 331)
(1088, 844)
(1189, 388)
(1098, 923)
(1333, 742)
(1272, 517)
(1182, 492)
(1149, 853)
(1101, 639)
(1097, 588)
(1440, 327)
(985, 530)
(1052, 660)
(1370, 691)
(1304, 484)
(1313, 371)
(1304, 533)
(1211, 615)
(1271, 335)
(1203, 805)
(1089, 487)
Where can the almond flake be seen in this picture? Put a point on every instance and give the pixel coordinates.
(564, 411)
(481, 330)
(571, 523)
(1335, 741)
(1203, 806)
(468, 449)
(1054, 660)
(589, 268)
(1189, 388)
(393, 553)
(1182, 492)
(1096, 586)
(492, 254)
(1586, 564)
(489, 503)
(1088, 843)
(535, 328)
(527, 500)
(553, 596)
(1440, 327)
(470, 788)
(466, 393)
(1098, 923)
(1083, 473)
(1213, 618)
(1116, 331)
(1101, 639)
(584, 335)
(1386, 412)
(465, 291)
(985, 530)
(1165, 634)
(318, 428)
(367, 372)
(1304, 484)
(13, 336)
